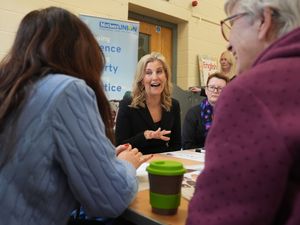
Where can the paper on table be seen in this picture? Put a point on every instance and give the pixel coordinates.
(196, 156)
(141, 171)
(142, 176)
(199, 167)
(188, 184)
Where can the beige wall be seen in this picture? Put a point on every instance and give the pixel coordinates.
(198, 29)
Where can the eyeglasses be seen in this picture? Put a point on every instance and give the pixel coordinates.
(227, 24)
(211, 88)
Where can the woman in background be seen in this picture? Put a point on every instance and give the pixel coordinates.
(150, 119)
(198, 119)
(227, 68)
(56, 129)
(227, 64)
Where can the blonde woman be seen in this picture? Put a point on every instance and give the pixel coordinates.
(150, 118)
(227, 64)
(227, 68)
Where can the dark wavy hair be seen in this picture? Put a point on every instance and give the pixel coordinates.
(51, 40)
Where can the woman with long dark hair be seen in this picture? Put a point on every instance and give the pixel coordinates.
(56, 128)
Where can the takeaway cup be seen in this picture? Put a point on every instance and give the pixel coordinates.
(165, 178)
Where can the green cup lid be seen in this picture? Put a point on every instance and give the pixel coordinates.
(166, 168)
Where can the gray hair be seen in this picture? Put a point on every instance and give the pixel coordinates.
(286, 12)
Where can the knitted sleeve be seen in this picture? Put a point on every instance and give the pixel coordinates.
(103, 184)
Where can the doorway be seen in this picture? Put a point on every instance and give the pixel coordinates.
(159, 36)
(155, 38)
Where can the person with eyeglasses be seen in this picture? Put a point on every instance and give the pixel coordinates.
(199, 118)
(252, 164)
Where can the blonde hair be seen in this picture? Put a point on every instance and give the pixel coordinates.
(286, 12)
(138, 90)
(231, 60)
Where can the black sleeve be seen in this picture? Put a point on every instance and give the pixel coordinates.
(124, 126)
(191, 137)
(202, 92)
(175, 142)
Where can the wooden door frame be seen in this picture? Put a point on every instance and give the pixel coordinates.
(173, 27)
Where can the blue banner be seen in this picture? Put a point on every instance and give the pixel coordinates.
(119, 42)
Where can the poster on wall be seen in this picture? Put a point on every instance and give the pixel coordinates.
(119, 43)
(207, 66)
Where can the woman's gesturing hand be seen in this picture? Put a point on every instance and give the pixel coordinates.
(158, 134)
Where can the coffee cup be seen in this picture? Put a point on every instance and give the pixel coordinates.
(165, 178)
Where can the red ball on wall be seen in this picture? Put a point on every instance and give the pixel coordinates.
(194, 3)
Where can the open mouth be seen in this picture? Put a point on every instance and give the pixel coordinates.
(155, 85)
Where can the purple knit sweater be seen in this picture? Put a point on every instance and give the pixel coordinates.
(252, 168)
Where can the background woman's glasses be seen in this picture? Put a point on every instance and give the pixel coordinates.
(214, 89)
